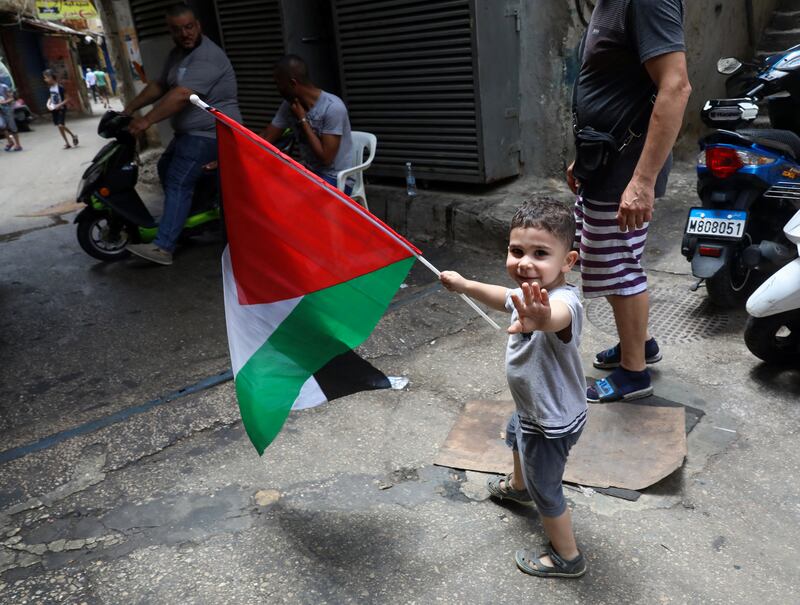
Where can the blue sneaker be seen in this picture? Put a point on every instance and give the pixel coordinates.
(610, 358)
(620, 385)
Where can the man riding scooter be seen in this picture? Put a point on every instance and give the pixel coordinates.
(195, 66)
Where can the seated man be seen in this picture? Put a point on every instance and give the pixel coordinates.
(318, 118)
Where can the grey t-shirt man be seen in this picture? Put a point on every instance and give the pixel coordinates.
(545, 373)
(614, 89)
(327, 116)
(206, 70)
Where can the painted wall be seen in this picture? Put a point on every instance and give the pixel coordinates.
(551, 34)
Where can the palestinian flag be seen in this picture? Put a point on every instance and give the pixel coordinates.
(307, 273)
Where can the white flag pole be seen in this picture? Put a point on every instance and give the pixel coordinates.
(466, 298)
(202, 105)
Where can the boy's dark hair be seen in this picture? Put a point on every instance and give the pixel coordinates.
(48, 73)
(548, 214)
(177, 9)
(294, 67)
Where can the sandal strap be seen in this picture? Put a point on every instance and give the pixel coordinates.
(605, 387)
(560, 561)
(557, 559)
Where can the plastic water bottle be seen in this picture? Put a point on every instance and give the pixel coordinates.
(411, 182)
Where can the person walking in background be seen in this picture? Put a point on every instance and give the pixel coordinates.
(91, 82)
(102, 85)
(57, 102)
(7, 115)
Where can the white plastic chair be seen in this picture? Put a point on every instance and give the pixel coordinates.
(361, 141)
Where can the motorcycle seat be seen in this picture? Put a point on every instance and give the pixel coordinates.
(784, 141)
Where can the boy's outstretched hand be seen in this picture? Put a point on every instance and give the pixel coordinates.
(533, 310)
(452, 281)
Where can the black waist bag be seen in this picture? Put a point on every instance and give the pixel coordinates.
(594, 151)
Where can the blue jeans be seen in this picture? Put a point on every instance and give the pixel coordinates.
(178, 169)
(348, 189)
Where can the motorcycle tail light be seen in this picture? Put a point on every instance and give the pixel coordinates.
(104, 191)
(723, 162)
(710, 251)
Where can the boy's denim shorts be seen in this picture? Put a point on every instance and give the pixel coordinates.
(543, 461)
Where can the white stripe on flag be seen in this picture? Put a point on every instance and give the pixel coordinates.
(310, 396)
(249, 326)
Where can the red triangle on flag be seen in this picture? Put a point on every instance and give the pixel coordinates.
(289, 232)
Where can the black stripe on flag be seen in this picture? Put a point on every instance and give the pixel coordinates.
(347, 374)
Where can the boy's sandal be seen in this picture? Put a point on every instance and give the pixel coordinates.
(67, 146)
(8, 147)
(530, 563)
(500, 488)
(75, 140)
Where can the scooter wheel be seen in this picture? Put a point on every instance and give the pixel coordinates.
(775, 339)
(733, 284)
(100, 239)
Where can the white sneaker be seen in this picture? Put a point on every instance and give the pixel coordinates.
(152, 253)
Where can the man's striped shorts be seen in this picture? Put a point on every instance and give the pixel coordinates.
(609, 258)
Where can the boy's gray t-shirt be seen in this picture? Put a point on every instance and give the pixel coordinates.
(545, 374)
(613, 85)
(207, 71)
(327, 116)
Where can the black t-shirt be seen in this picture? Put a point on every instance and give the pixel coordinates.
(613, 85)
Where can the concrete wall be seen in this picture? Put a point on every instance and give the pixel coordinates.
(550, 37)
(716, 29)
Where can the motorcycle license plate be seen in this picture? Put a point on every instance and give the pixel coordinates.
(726, 224)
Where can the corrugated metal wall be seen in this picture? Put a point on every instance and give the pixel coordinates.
(148, 15)
(252, 36)
(409, 77)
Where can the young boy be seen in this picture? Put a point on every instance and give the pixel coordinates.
(544, 373)
(57, 102)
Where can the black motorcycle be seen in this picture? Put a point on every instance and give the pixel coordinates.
(115, 214)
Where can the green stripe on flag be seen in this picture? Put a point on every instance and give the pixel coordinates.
(323, 325)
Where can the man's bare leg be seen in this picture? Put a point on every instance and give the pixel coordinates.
(631, 314)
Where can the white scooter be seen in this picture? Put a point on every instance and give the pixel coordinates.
(773, 328)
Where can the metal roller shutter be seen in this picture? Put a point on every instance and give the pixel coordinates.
(252, 36)
(148, 15)
(411, 75)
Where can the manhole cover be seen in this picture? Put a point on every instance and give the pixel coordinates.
(672, 320)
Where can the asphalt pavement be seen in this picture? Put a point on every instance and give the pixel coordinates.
(126, 476)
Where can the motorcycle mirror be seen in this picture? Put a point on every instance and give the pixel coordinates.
(728, 66)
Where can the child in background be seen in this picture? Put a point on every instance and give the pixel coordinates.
(544, 373)
(7, 113)
(57, 102)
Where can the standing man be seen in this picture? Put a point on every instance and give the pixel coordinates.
(633, 51)
(195, 66)
(91, 82)
(319, 118)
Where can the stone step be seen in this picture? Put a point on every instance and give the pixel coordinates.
(785, 20)
(777, 40)
(788, 5)
(762, 121)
